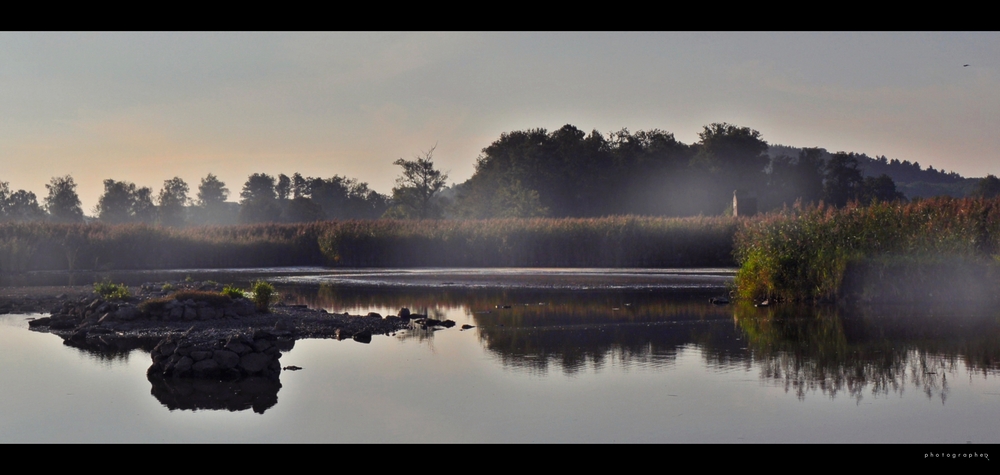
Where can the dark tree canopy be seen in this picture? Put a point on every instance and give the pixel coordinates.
(880, 188)
(284, 187)
(260, 186)
(988, 187)
(173, 198)
(19, 206)
(415, 188)
(62, 203)
(123, 202)
(259, 200)
(212, 192)
(843, 179)
(143, 209)
(798, 179)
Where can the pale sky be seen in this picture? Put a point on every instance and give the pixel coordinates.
(145, 107)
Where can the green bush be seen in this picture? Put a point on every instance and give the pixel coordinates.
(111, 291)
(168, 287)
(233, 292)
(263, 293)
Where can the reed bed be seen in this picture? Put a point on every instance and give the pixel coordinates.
(905, 251)
(623, 241)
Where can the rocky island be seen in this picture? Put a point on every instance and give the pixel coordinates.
(190, 328)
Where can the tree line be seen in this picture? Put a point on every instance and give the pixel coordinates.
(263, 199)
(529, 173)
(568, 173)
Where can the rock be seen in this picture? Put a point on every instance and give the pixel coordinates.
(226, 359)
(238, 348)
(206, 367)
(253, 363)
(363, 336)
(182, 366)
(199, 355)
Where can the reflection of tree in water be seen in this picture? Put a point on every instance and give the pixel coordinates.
(872, 349)
(857, 351)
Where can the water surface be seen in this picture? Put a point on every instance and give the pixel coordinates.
(579, 356)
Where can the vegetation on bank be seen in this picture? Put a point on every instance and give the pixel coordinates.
(624, 241)
(936, 248)
(888, 251)
(618, 241)
(111, 291)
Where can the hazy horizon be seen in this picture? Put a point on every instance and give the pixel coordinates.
(145, 107)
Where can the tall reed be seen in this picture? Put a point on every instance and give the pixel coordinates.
(805, 254)
(619, 241)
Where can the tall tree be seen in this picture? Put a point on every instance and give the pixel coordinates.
(734, 158)
(4, 197)
(415, 188)
(212, 207)
(143, 209)
(173, 198)
(880, 188)
(260, 186)
(284, 187)
(299, 186)
(988, 187)
(795, 179)
(123, 202)
(23, 206)
(62, 203)
(212, 192)
(259, 200)
(843, 179)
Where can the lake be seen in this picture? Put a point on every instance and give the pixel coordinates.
(555, 355)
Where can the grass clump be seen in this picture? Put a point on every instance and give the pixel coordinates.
(214, 299)
(168, 287)
(233, 292)
(111, 291)
(262, 294)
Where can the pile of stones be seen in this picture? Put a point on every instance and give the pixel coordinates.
(191, 310)
(72, 314)
(235, 357)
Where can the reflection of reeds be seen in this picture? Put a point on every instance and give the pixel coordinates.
(806, 254)
(874, 349)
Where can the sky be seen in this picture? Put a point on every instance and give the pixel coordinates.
(146, 107)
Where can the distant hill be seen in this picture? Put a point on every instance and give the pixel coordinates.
(910, 178)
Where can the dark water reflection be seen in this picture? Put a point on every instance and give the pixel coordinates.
(804, 348)
(871, 349)
(651, 364)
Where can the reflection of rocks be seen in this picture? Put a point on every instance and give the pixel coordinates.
(107, 345)
(238, 356)
(258, 393)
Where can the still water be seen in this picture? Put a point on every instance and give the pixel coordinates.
(583, 355)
